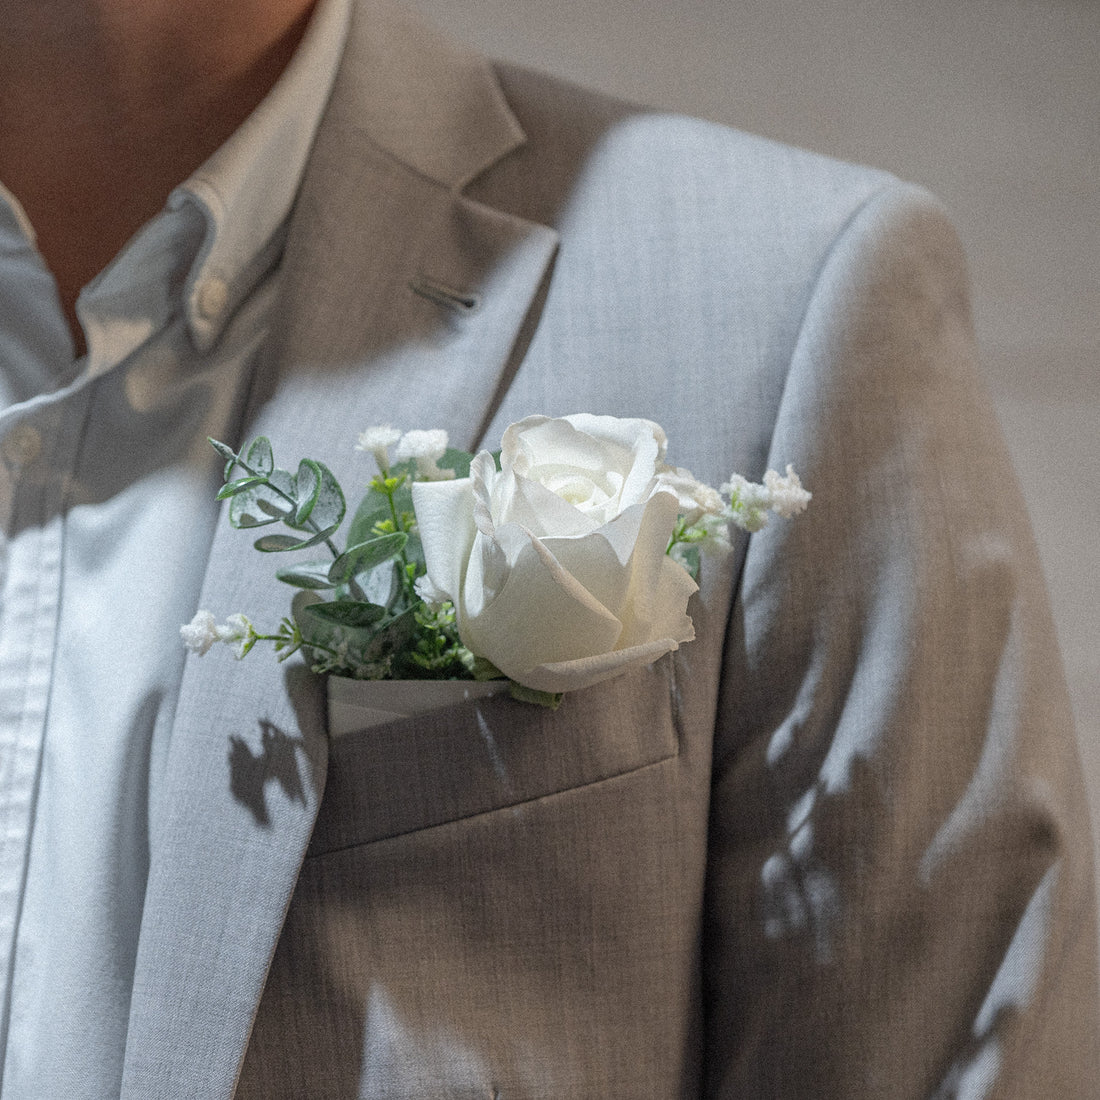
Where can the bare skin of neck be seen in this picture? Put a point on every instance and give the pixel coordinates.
(109, 104)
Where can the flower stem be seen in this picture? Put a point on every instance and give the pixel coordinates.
(407, 583)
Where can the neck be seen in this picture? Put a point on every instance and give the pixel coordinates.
(109, 104)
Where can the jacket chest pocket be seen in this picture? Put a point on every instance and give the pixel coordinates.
(488, 754)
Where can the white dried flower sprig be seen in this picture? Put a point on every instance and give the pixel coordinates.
(238, 633)
(425, 448)
(378, 440)
(750, 503)
(200, 633)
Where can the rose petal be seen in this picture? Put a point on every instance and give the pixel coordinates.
(555, 454)
(540, 615)
(585, 671)
(486, 575)
(593, 563)
(656, 605)
(445, 518)
(624, 432)
(625, 567)
(541, 441)
(643, 439)
(543, 512)
(601, 561)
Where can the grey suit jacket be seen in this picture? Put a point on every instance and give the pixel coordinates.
(835, 847)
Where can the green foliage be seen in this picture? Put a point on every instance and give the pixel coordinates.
(266, 500)
(684, 545)
(369, 622)
(354, 614)
(388, 501)
(276, 544)
(365, 556)
(260, 457)
(234, 488)
(438, 652)
(459, 461)
(310, 574)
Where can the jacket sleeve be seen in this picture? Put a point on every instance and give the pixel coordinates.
(900, 897)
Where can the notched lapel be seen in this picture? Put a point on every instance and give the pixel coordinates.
(413, 310)
(402, 302)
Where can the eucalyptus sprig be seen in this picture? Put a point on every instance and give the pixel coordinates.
(370, 623)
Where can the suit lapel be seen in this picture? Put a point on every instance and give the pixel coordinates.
(402, 302)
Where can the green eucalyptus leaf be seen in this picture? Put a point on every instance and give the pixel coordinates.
(382, 585)
(350, 614)
(312, 575)
(232, 488)
(264, 503)
(275, 507)
(225, 451)
(282, 480)
(259, 455)
(276, 544)
(307, 487)
(330, 506)
(250, 508)
(321, 536)
(278, 501)
(366, 556)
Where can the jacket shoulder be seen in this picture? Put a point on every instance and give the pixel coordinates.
(585, 149)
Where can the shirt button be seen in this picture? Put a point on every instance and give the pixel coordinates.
(212, 298)
(21, 446)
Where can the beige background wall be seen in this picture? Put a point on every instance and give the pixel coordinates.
(992, 104)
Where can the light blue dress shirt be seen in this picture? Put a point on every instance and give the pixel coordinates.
(106, 515)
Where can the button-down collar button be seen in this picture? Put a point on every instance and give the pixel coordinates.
(212, 298)
(21, 445)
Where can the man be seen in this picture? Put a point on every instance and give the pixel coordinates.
(834, 847)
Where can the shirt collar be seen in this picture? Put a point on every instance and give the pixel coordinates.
(246, 189)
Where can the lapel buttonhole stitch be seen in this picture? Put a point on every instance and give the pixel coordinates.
(435, 290)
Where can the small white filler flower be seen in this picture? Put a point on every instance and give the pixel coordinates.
(238, 634)
(426, 448)
(200, 633)
(788, 496)
(378, 439)
(203, 631)
(750, 502)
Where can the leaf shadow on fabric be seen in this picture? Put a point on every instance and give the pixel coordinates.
(250, 772)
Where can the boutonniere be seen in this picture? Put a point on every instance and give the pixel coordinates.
(566, 558)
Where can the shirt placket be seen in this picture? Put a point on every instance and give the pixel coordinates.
(37, 452)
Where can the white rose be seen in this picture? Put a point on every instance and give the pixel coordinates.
(556, 563)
